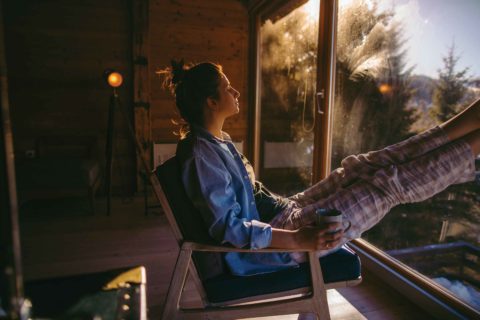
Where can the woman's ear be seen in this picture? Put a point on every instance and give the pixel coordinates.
(212, 103)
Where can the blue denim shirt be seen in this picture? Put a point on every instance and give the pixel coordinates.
(217, 182)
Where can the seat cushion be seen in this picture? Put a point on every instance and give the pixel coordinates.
(342, 265)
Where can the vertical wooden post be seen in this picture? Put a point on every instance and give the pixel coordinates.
(141, 83)
(11, 278)
(325, 82)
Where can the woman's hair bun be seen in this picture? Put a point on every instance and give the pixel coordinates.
(174, 75)
(178, 71)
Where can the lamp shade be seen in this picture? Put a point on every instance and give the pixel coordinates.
(115, 79)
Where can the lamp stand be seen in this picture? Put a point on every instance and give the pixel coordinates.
(113, 106)
(109, 147)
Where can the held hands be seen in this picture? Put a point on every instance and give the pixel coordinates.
(319, 238)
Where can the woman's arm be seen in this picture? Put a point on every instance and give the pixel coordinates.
(229, 219)
(309, 238)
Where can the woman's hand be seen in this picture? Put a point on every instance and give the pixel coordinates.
(317, 238)
(308, 238)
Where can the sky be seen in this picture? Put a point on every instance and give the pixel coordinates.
(432, 26)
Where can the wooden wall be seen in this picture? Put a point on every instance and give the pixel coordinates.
(206, 30)
(56, 53)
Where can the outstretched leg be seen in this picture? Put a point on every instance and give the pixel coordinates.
(354, 167)
(366, 201)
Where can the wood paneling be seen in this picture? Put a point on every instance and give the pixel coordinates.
(197, 31)
(56, 54)
(141, 86)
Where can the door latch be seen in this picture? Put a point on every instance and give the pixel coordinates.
(320, 96)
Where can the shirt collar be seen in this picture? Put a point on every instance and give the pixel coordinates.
(201, 132)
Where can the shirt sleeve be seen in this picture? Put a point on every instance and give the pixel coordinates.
(209, 185)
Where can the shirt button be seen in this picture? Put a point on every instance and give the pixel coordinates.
(252, 203)
(246, 177)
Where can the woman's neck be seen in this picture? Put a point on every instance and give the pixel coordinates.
(213, 123)
(215, 129)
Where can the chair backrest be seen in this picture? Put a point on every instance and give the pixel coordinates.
(188, 219)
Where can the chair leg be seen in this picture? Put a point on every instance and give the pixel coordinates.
(318, 286)
(172, 301)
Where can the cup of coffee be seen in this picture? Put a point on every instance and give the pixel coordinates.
(325, 216)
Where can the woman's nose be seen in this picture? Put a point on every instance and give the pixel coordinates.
(237, 94)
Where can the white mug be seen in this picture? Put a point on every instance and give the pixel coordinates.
(325, 216)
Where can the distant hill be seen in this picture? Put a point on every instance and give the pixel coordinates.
(475, 83)
(474, 87)
(423, 87)
(421, 100)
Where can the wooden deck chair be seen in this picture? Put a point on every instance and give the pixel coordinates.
(225, 296)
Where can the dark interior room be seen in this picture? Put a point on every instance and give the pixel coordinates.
(91, 229)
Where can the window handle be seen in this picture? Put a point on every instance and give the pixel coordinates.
(320, 96)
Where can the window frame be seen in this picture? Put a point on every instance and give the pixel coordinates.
(415, 286)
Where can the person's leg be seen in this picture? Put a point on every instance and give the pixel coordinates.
(473, 139)
(356, 166)
(366, 201)
(353, 167)
(463, 123)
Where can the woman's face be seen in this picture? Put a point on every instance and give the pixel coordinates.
(227, 98)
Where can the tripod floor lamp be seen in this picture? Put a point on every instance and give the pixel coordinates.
(114, 80)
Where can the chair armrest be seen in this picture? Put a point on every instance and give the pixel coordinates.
(196, 246)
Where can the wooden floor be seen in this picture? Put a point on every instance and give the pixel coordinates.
(67, 240)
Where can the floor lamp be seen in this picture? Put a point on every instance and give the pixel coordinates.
(114, 80)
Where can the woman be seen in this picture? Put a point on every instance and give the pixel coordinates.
(240, 211)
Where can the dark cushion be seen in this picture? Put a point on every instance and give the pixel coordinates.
(342, 265)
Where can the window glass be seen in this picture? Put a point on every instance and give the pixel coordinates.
(288, 54)
(404, 66)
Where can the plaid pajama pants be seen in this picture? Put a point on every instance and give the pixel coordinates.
(367, 186)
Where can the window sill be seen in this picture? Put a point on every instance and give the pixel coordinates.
(422, 291)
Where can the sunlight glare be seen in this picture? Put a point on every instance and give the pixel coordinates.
(312, 8)
(385, 88)
(347, 3)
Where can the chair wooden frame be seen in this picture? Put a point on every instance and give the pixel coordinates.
(312, 299)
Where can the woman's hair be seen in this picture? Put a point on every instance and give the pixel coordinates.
(191, 85)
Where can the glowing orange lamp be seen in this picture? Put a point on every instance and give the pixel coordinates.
(115, 79)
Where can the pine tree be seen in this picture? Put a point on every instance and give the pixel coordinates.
(372, 80)
(411, 224)
(450, 89)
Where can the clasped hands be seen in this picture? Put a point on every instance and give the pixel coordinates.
(319, 238)
(311, 238)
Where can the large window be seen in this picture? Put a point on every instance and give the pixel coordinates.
(288, 64)
(402, 67)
